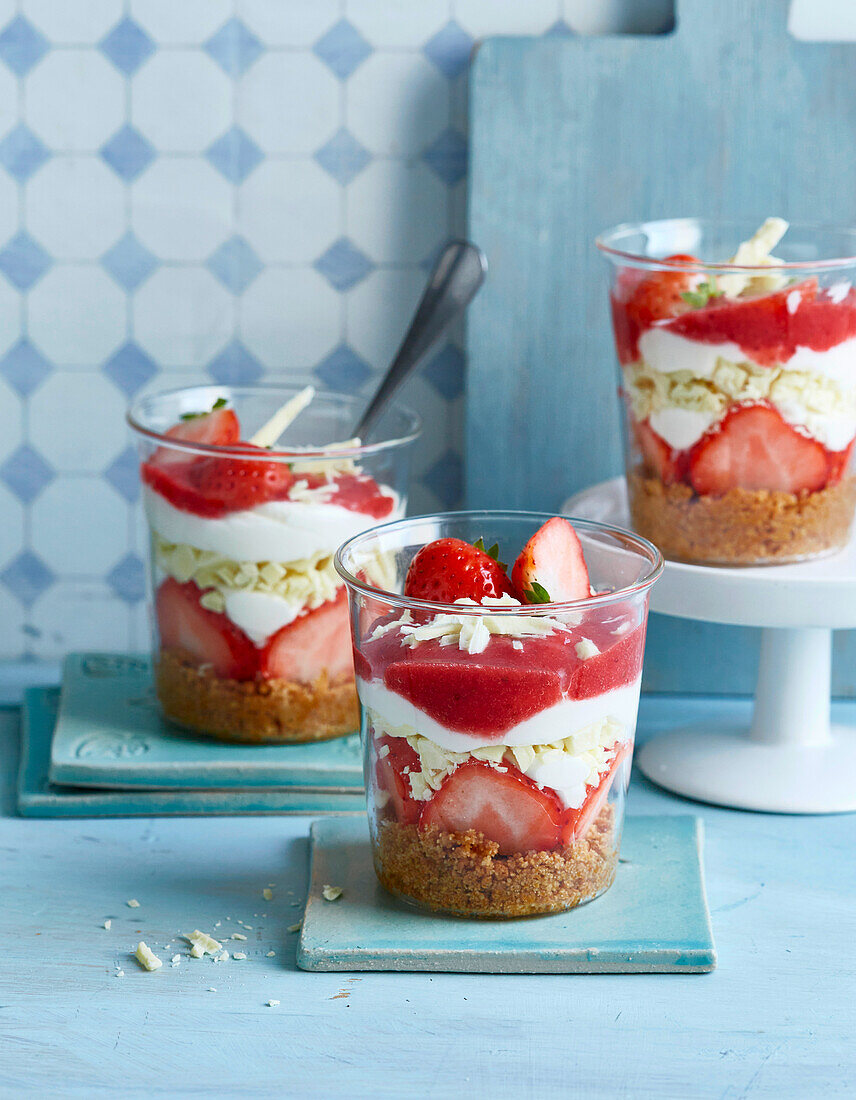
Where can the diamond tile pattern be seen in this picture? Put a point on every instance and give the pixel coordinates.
(130, 369)
(343, 265)
(450, 50)
(26, 473)
(128, 153)
(235, 264)
(343, 49)
(24, 367)
(27, 577)
(21, 152)
(127, 579)
(23, 261)
(21, 45)
(343, 157)
(336, 137)
(234, 47)
(343, 370)
(234, 155)
(235, 366)
(127, 46)
(129, 262)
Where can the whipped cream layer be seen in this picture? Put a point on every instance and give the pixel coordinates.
(550, 725)
(668, 351)
(282, 530)
(684, 393)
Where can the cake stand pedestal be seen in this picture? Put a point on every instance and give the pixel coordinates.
(791, 759)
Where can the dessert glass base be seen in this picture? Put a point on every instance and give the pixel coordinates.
(743, 526)
(462, 874)
(255, 711)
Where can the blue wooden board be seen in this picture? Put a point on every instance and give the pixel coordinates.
(38, 796)
(652, 920)
(110, 733)
(728, 116)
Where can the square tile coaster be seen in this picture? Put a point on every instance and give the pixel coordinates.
(110, 733)
(39, 797)
(654, 919)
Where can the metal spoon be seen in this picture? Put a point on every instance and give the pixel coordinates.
(454, 283)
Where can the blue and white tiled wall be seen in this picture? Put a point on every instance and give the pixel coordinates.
(221, 189)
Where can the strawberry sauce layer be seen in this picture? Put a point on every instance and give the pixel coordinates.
(489, 693)
(768, 329)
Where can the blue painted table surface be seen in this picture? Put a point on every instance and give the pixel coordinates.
(774, 1020)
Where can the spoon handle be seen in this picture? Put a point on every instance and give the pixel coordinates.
(454, 282)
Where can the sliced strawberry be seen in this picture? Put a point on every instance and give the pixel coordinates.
(754, 448)
(219, 427)
(578, 822)
(315, 642)
(660, 458)
(449, 569)
(839, 463)
(234, 484)
(504, 806)
(209, 637)
(391, 771)
(551, 567)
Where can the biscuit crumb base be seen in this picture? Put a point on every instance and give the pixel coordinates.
(461, 873)
(259, 711)
(743, 526)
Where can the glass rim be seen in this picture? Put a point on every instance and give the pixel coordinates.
(285, 390)
(606, 242)
(641, 545)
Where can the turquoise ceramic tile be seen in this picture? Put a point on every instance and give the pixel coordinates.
(654, 919)
(110, 733)
(39, 797)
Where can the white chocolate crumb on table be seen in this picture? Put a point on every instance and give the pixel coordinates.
(332, 893)
(201, 943)
(147, 958)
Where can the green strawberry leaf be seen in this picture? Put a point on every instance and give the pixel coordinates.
(491, 551)
(220, 403)
(537, 594)
(702, 294)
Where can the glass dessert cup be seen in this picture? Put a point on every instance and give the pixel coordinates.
(497, 737)
(251, 641)
(738, 384)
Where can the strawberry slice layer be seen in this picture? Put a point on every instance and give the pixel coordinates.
(208, 637)
(504, 807)
(316, 642)
(551, 567)
(660, 458)
(391, 770)
(753, 447)
(577, 822)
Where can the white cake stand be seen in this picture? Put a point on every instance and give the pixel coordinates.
(791, 759)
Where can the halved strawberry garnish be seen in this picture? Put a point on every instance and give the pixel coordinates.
(449, 569)
(660, 458)
(209, 637)
(504, 806)
(659, 295)
(219, 427)
(234, 484)
(578, 822)
(391, 770)
(315, 642)
(753, 447)
(551, 567)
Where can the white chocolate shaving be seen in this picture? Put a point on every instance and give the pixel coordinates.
(269, 434)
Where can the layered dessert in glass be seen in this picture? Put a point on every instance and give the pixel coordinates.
(738, 378)
(247, 492)
(498, 705)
